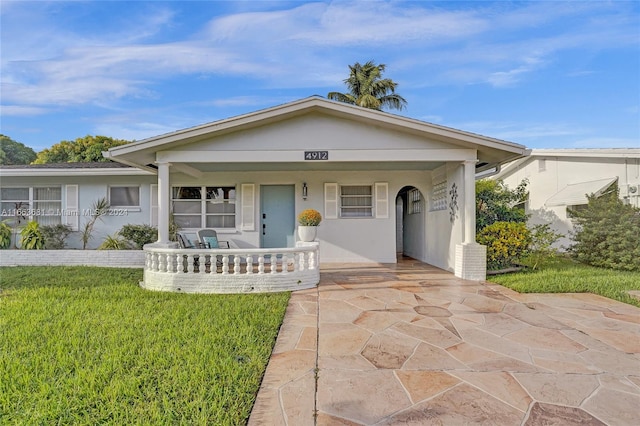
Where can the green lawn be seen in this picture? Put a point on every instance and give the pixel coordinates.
(82, 345)
(566, 276)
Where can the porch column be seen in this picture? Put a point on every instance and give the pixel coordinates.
(471, 257)
(469, 202)
(164, 188)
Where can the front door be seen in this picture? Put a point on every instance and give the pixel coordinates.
(277, 204)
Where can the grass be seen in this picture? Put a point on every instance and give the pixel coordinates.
(563, 275)
(83, 345)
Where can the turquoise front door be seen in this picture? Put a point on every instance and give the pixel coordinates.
(277, 215)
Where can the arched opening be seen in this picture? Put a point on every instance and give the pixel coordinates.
(410, 223)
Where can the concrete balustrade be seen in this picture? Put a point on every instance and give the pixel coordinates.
(231, 270)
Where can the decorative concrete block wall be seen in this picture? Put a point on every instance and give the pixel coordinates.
(107, 258)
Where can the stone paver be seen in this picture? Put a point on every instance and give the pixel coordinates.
(411, 344)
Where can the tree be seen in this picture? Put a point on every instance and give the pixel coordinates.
(368, 89)
(607, 233)
(12, 152)
(81, 150)
(495, 202)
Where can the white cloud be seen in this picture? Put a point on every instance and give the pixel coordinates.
(21, 111)
(48, 62)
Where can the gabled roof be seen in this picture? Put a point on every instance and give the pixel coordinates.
(142, 153)
(536, 154)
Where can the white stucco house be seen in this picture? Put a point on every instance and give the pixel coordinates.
(560, 179)
(384, 184)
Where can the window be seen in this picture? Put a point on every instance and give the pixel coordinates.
(414, 201)
(42, 204)
(204, 206)
(124, 196)
(356, 201)
(439, 195)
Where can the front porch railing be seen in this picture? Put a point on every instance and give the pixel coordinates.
(231, 270)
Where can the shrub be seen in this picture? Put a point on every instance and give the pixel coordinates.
(114, 243)
(5, 235)
(54, 236)
(541, 248)
(139, 234)
(309, 217)
(607, 233)
(507, 243)
(32, 238)
(495, 202)
(98, 209)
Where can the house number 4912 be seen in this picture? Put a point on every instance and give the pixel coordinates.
(316, 155)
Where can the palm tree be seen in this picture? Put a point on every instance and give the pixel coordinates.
(367, 88)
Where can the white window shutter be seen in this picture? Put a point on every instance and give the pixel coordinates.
(330, 200)
(71, 215)
(153, 208)
(248, 220)
(382, 200)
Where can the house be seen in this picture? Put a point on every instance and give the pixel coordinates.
(385, 184)
(64, 193)
(560, 179)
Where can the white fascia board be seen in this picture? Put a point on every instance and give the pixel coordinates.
(588, 153)
(74, 172)
(293, 156)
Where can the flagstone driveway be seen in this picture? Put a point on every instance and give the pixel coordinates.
(411, 344)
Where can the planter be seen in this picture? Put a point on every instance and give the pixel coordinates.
(307, 233)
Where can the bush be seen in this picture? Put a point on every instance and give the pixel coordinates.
(5, 235)
(54, 236)
(114, 243)
(607, 233)
(495, 202)
(139, 234)
(541, 248)
(507, 243)
(32, 238)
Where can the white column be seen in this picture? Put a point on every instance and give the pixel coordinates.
(164, 200)
(471, 257)
(469, 202)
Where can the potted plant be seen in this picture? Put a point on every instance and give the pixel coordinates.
(308, 221)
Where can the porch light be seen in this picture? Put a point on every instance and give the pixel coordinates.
(304, 190)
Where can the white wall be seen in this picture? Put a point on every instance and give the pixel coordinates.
(91, 189)
(558, 172)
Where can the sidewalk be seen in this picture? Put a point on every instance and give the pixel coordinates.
(411, 344)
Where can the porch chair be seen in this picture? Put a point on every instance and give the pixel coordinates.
(208, 238)
(186, 243)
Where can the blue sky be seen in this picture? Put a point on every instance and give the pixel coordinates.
(543, 74)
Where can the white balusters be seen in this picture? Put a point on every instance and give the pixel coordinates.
(260, 264)
(190, 264)
(273, 263)
(202, 264)
(236, 265)
(225, 264)
(249, 264)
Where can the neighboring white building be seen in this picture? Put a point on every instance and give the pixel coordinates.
(385, 184)
(559, 180)
(64, 193)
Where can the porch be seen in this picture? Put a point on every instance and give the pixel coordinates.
(231, 270)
